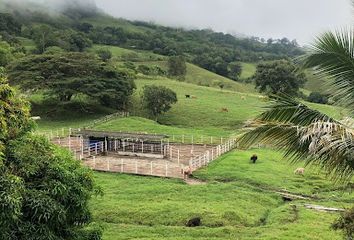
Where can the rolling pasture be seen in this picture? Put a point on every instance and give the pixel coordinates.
(234, 198)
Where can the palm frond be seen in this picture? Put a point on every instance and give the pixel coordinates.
(306, 135)
(333, 55)
(285, 109)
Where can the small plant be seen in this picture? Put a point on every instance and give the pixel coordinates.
(346, 224)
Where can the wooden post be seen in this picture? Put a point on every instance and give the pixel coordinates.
(178, 156)
(166, 169)
(123, 145)
(133, 146)
(162, 148)
(105, 145)
(69, 143)
(96, 148)
(115, 145)
(82, 146)
(142, 146)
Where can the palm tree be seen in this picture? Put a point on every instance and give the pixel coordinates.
(306, 134)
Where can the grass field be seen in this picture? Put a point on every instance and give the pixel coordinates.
(202, 114)
(248, 70)
(237, 202)
(238, 199)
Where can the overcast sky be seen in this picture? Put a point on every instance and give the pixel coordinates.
(300, 19)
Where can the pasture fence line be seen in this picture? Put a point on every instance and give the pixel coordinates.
(107, 118)
(212, 154)
(171, 138)
(161, 168)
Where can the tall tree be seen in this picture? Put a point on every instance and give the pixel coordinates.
(44, 192)
(158, 99)
(177, 67)
(279, 77)
(68, 74)
(235, 70)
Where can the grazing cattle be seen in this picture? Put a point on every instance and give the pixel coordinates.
(254, 158)
(263, 98)
(224, 110)
(188, 96)
(299, 171)
(243, 98)
(186, 171)
(194, 222)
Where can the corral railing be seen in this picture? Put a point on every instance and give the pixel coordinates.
(160, 168)
(211, 155)
(79, 147)
(172, 138)
(107, 118)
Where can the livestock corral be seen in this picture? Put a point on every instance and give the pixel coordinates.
(141, 154)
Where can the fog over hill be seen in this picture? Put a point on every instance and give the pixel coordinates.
(301, 20)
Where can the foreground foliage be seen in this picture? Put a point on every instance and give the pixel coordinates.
(44, 192)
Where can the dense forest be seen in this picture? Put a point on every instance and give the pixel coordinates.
(73, 28)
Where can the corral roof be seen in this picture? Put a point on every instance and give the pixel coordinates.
(121, 135)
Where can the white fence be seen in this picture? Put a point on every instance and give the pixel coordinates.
(211, 155)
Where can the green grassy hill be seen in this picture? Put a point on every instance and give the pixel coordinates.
(237, 201)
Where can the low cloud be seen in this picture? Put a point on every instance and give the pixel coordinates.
(301, 19)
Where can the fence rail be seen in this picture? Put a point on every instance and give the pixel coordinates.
(172, 138)
(211, 155)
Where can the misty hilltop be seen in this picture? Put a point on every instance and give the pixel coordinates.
(51, 6)
(76, 25)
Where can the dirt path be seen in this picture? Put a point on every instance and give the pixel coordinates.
(193, 181)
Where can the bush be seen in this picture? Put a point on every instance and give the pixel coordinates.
(317, 97)
(346, 224)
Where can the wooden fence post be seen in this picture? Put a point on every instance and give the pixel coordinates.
(178, 156)
(142, 146)
(166, 174)
(69, 142)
